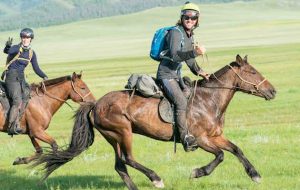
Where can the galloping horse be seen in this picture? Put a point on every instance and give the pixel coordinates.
(45, 100)
(118, 114)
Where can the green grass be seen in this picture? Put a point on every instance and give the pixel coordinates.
(267, 131)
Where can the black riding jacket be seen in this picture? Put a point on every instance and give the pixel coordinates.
(21, 64)
(180, 47)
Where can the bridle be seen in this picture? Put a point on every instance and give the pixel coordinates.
(45, 92)
(256, 86)
(82, 97)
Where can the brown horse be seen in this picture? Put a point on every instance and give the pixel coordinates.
(118, 115)
(46, 99)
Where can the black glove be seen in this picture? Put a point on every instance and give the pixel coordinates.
(9, 42)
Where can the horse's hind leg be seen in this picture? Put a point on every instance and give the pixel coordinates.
(229, 146)
(129, 160)
(120, 166)
(26, 160)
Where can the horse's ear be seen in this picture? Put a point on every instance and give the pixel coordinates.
(74, 76)
(246, 59)
(239, 60)
(79, 75)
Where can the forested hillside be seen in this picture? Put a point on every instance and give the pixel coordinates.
(15, 14)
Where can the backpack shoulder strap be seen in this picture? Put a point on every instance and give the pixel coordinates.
(30, 54)
(182, 38)
(15, 58)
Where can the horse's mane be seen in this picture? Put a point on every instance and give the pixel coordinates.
(51, 81)
(217, 74)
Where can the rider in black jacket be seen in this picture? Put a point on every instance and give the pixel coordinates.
(19, 56)
(180, 48)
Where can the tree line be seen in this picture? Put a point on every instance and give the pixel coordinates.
(15, 14)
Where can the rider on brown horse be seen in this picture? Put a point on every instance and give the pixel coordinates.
(180, 47)
(19, 56)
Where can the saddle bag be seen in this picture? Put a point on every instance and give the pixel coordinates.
(145, 84)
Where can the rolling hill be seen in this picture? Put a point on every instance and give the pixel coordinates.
(222, 25)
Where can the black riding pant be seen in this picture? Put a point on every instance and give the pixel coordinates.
(175, 95)
(18, 93)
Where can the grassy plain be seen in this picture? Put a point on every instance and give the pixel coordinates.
(108, 50)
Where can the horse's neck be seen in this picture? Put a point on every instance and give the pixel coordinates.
(215, 95)
(56, 95)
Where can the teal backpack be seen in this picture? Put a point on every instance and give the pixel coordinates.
(159, 41)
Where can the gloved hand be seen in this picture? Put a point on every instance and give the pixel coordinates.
(9, 42)
(45, 78)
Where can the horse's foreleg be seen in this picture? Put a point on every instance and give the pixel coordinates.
(43, 136)
(229, 146)
(26, 160)
(209, 168)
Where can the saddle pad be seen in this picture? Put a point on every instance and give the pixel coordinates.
(166, 111)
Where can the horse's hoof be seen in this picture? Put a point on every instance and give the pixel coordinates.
(19, 161)
(193, 174)
(196, 173)
(159, 184)
(256, 179)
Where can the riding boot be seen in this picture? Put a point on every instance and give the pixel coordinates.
(13, 121)
(188, 141)
(22, 110)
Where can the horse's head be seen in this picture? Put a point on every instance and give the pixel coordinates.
(250, 80)
(80, 91)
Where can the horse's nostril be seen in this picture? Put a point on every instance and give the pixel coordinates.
(273, 92)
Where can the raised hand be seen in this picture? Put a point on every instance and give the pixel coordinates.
(9, 41)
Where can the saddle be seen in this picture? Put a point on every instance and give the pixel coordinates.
(149, 87)
(4, 98)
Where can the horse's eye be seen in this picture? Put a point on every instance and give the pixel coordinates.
(252, 71)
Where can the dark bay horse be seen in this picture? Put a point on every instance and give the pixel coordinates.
(46, 99)
(118, 115)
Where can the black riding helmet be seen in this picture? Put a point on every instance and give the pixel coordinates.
(27, 32)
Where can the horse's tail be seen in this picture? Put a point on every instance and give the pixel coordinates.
(82, 138)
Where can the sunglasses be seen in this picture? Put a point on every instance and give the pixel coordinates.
(186, 17)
